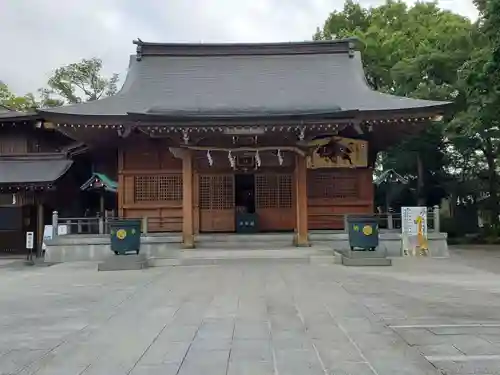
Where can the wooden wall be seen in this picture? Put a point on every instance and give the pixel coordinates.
(334, 192)
(150, 185)
(25, 139)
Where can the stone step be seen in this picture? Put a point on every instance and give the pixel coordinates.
(363, 254)
(235, 253)
(366, 262)
(253, 260)
(230, 256)
(249, 244)
(123, 263)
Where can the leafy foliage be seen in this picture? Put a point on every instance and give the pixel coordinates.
(71, 84)
(416, 52)
(80, 82)
(476, 127)
(16, 103)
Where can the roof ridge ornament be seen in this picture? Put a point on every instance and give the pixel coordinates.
(352, 49)
(139, 43)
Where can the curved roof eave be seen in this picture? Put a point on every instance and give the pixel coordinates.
(192, 116)
(9, 115)
(231, 86)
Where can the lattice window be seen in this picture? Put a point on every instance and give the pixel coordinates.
(285, 190)
(170, 188)
(273, 191)
(266, 191)
(158, 188)
(216, 192)
(333, 184)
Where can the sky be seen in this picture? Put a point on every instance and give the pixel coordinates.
(39, 36)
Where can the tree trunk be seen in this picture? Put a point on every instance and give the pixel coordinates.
(421, 199)
(492, 184)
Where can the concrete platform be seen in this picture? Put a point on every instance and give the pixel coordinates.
(71, 248)
(124, 263)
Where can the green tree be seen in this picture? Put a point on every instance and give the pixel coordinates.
(16, 103)
(79, 82)
(478, 123)
(416, 52)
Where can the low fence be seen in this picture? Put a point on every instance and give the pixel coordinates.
(81, 225)
(101, 225)
(388, 221)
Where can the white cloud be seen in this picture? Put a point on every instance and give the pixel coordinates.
(39, 36)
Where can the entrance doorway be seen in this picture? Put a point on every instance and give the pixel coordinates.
(244, 193)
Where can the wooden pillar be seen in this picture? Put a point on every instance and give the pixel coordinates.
(40, 225)
(120, 196)
(187, 200)
(300, 176)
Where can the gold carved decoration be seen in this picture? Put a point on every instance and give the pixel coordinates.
(337, 152)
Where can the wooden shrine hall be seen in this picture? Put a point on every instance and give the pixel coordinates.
(245, 137)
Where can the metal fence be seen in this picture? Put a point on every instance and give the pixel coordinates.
(385, 221)
(101, 225)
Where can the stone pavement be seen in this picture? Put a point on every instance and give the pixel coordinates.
(419, 317)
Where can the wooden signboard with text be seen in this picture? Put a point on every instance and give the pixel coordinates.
(338, 152)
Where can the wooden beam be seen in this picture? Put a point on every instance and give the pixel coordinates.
(243, 149)
(187, 201)
(300, 176)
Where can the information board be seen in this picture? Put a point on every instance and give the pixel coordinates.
(414, 231)
(29, 240)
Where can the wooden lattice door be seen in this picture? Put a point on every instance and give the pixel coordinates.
(274, 201)
(216, 203)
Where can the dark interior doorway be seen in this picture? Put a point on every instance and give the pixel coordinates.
(244, 185)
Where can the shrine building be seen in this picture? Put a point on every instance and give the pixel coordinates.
(244, 137)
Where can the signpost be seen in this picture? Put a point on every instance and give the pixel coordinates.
(29, 244)
(414, 231)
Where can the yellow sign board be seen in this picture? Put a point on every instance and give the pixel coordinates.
(338, 152)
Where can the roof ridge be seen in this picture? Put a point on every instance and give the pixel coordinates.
(37, 156)
(347, 45)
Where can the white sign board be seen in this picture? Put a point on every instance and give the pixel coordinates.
(414, 231)
(47, 233)
(29, 240)
(62, 230)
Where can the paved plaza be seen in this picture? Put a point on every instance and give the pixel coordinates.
(421, 316)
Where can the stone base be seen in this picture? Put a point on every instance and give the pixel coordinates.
(362, 258)
(71, 248)
(355, 254)
(124, 263)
